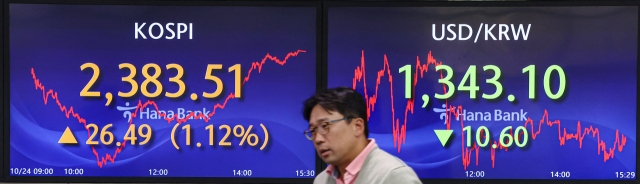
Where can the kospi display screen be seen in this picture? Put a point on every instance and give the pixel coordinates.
(160, 91)
(495, 92)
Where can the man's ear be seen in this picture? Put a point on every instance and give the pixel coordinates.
(358, 126)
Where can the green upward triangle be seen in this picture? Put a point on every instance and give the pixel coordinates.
(443, 135)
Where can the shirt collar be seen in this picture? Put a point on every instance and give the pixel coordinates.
(355, 165)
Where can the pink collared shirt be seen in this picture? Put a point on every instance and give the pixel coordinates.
(354, 167)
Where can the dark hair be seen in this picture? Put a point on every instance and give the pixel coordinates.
(344, 100)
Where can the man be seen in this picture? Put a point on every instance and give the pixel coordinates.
(338, 128)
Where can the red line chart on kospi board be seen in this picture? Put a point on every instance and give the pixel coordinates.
(103, 159)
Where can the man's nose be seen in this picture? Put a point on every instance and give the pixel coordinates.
(318, 139)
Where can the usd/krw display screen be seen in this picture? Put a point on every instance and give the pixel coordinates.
(495, 92)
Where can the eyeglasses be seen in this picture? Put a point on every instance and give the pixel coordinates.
(323, 128)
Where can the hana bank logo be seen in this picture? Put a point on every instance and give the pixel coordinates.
(495, 115)
(127, 111)
(443, 112)
(149, 113)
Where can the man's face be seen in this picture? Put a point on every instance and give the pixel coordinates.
(335, 145)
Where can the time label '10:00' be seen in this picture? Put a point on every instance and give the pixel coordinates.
(73, 171)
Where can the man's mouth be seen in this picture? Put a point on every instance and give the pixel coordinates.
(324, 152)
